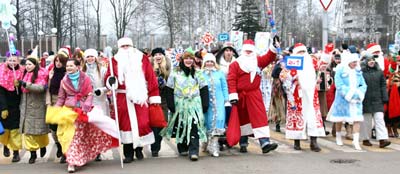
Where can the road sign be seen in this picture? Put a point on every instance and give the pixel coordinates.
(223, 37)
(207, 38)
(325, 4)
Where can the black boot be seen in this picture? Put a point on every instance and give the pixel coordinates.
(278, 127)
(16, 157)
(269, 147)
(6, 151)
(33, 157)
(59, 150)
(139, 153)
(42, 152)
(128, 153)
(63, 159)
(297, 145)
(314, 145)
(98, 157)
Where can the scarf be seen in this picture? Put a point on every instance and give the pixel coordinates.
(74, 77)
(55, 81)
(40, 80)
(94, 75)
(7, 76)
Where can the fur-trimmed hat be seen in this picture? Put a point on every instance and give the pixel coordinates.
(373, 47)
(299, 47)
(157, 50)
(90, 52)
(125, 41)
(249, 45)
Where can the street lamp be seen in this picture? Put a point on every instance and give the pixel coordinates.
(198, 33)
(40, 33)
(377, 35)
(54, 39)
(387, 40)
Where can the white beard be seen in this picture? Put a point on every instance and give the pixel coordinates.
(307, 76)
(249, 64)
(131, 73)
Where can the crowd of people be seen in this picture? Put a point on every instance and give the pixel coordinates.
(78, 97)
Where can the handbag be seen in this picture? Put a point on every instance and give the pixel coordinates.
(156, 115)
(233, 130)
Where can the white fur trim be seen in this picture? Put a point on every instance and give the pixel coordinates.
(374, 48)
(273, 49)
(246, 129)
(108, 125)
(90, 52)
(248, 47)
(126, 138)
(110, 87)
(349, 94)
(233, 96)
(299, 48)
(155, 100)
(361, 94)
(125, 41)
(261, 132)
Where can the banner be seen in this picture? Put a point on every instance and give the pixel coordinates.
(237, 39)
(294, 62)
(262, 42)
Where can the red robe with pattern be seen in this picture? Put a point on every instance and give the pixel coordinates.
(252, 112)
(142, 112)
(300, 121)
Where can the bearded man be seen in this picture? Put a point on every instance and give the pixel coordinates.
(303, 116)
(137, 87)
(244, 78)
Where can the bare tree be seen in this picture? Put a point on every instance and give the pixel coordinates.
(123, 10)
(97, 7)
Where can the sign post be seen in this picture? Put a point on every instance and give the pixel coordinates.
(325, 5)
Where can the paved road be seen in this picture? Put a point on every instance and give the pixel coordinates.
(284, 160)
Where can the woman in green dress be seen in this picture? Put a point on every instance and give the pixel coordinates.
(187, 99)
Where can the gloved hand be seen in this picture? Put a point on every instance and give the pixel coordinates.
(161, 81)
(97, 92)
(22, 83)
(276, 42)
(16, 83)
(4, 114)
(234, 102)
(112, 80)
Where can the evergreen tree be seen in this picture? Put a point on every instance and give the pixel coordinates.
(248, 19)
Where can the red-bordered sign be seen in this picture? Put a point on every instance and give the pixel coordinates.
(325, 6)
(207, 38)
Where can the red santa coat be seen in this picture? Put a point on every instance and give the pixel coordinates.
(252, 112)
(141, 113)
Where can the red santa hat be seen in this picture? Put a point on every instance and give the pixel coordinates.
(125, 41)
(299, 47)
(66, 50)
(248, 45)
(373, 47)
(329, 48)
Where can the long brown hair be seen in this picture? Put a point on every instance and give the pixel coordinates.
(163, 68)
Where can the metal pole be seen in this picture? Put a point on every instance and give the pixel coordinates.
(324, 29)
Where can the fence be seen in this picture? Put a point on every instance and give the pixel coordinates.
(27, 44)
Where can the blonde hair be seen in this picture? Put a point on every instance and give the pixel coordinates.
(163, 67)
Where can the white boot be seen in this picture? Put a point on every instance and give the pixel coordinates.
(71, 168)
(356, 142)
(339, 139)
